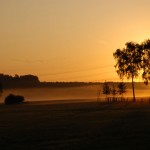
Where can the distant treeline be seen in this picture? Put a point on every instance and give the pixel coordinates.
(29, 81)
(8, 81)
(26, 81)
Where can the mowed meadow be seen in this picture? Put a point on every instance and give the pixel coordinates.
(71, 118)
(75, 126)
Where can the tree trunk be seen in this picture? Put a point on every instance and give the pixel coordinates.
(133, 90)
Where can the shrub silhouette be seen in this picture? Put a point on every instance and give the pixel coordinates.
(14, 99)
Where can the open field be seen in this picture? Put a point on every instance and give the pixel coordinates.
(75, 126)
(70, 93)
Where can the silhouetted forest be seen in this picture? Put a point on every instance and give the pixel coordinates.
(26, 81)
(31, 81)
(8, 81)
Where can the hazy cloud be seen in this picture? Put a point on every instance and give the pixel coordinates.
(28, 60)
(102, 42)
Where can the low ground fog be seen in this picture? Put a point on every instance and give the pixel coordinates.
(69, 93)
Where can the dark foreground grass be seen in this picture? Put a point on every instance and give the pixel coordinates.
(76, 126)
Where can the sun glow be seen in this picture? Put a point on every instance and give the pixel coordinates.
(51, 37)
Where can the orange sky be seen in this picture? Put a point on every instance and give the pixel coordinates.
(68, 40)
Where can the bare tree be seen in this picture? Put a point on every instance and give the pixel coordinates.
(98, 94)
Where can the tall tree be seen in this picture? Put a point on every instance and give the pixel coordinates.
(128, 62)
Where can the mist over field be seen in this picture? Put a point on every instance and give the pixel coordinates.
(88, 92)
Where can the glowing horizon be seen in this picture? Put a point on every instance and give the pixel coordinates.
(69, 40)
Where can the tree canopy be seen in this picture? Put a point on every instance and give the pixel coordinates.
(145, 60)
(128, 60)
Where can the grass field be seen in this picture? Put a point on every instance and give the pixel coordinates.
(75, 126)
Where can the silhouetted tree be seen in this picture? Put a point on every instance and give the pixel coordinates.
(114, 91)
(121, 89)
(106, 89)
(128, 62)
(14, 99)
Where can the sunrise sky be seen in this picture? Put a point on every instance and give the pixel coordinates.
(69, 40)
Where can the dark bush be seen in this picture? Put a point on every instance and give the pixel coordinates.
(14, 99)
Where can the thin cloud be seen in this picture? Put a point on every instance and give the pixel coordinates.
(77, 70)
(102, 42)
(28, 61)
